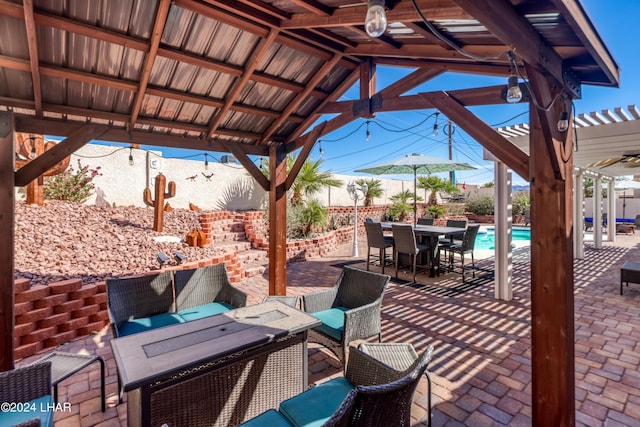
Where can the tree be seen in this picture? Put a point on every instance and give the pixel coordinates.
(374, 189)
(436, 185)
(310, 181)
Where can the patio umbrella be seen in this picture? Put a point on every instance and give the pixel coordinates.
(624, 185)
(415, 164)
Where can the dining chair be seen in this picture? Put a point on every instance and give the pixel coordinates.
(466, 247)
(425, 221)
(377, 240)
(453, 238)
(404, 239)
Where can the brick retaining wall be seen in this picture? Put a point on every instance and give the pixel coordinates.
(47, 316)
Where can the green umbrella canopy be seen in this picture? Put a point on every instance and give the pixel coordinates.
(415, 164)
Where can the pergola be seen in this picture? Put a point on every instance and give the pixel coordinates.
(253, 77)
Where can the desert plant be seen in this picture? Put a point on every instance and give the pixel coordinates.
(404, 197)
(436, 185)
(72, 185)
(374, 189)
(520, 203)
(312, 216)
(436, 211)
(481, 205)
(399, 211)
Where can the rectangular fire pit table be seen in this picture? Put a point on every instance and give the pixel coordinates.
(219, 370)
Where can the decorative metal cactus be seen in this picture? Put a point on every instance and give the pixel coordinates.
(158, 202)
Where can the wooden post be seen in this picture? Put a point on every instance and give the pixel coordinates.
(552, 309)
(7, 223)
(277, 221)
(35, 189)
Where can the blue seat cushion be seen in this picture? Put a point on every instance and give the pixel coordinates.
(315, 406)
(142, 324)
(41, 407)
(204, 310)
(332, 322)
(270, 418)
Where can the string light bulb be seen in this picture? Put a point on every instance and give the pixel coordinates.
(563, 122)
(32, 153)
(375, 23)
(131, 156)
(514, 93)
(206, 161)
(320, 149)
(435, 125)
(368, 132)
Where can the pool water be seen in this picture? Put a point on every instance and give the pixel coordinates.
(485, 240)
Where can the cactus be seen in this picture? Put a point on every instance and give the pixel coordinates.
(158, 202)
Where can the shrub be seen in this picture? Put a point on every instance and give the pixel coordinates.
(521, 203)
(481, 205)
(436, 211)
(312, 216)
(399, 211)
(72, 185)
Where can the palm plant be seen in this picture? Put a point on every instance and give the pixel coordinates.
(310, 180)
(436, 185)
(374, 189)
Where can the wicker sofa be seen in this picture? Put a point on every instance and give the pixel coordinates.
(29, 389)
(142, 303)
(371, 393)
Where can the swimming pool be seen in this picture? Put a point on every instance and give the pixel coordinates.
(485, 240)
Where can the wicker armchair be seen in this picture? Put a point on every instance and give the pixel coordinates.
(206, 291)
(28, 384)
(137, 304)
(350, 310)
(370, 394)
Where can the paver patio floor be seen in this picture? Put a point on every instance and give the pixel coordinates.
(481, 368)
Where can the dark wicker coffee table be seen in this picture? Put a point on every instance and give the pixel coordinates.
(63, 365)
(630, 272)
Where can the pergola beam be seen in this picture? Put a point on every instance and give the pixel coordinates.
(32, 42)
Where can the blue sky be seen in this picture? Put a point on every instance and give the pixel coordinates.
(396, 134)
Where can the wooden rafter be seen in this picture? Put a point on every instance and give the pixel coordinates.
(238, 86)
(239, 153)
(314, 7)
(309, 140)
(313, 116)
(351, 16)
(315, 80)
(418, 77)
(501, 19)
(31, 124)
(488, 137)
(485, 69)
(46, 160)
(32, 42)
(423, 51)
(150, 57)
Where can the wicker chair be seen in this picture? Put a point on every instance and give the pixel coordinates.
(426, 221)
(350, 310)
(137, 304)
(376, 239)
(370, 394)
(405, 243)
(466, 247)
(206, 291)
(28, 384)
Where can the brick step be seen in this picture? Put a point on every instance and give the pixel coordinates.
(239, 246)
(253, 256)
(252, 270)
(228, 236)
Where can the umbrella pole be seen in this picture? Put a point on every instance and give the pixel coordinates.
(415, 195)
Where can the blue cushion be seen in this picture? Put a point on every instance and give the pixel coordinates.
(205, 310)
(271, 418)
(41, 407)
(332, 322)
(147, 323)
(315, 406)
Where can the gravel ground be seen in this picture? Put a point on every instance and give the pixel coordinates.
(64, 240)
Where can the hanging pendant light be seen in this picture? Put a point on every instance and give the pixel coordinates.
(375, 22)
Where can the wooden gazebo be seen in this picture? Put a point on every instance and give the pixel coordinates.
(252, 77)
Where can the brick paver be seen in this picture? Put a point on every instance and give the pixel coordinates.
(481, 369)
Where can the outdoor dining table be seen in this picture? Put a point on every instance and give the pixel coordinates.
(431, 233)
(220, 370)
